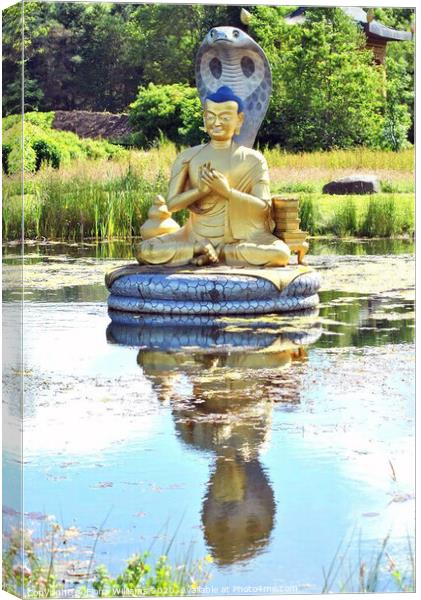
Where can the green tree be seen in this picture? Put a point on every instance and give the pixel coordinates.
(170, 37)
(327, 93)
(22, 25)
(400, 77)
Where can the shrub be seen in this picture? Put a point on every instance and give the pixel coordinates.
(46, 152)
(396, 124)
(174, 110)
(399, 97)
(42, 144)
(5, 151)
(43, 120)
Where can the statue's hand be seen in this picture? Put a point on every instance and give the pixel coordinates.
(216, 181)
(202, 185)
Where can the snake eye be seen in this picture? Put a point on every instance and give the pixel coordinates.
(212, 33)
(236, 33)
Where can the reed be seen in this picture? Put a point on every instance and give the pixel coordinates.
(378, 572)
(33, 568)
(80, 208)
(380, 215)
(105, 199)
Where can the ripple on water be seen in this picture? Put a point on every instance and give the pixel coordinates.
(270, 440)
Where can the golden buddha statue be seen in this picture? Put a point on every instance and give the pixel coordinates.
(225, 187)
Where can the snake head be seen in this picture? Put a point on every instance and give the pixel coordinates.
(229, 36)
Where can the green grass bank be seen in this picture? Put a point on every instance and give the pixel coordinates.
(109, 197)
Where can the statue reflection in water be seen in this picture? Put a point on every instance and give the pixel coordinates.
(225, 408)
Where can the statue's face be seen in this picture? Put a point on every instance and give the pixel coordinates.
(222, 119)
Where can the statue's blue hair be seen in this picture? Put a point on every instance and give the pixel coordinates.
(225, 94)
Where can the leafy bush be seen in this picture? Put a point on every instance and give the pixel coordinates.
(174, 110)
(5, 151)
(46, 152)
(42, 144)
(43, 120)
(141, 578)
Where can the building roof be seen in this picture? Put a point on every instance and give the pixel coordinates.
(359, 15)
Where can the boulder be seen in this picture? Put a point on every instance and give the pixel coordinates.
(354, 184)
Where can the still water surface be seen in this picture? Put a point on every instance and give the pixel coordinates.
(263, 442)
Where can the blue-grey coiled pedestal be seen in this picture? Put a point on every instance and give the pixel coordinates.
(204, 293)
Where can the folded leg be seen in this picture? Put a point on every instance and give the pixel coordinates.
(264, 250)
(176, 248)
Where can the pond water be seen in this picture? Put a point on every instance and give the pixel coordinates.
(262, 442)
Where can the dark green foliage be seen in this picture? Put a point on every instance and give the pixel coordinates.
(94, 56)
(46, 152)
(5, 151)
(327, 91)
(171, 110)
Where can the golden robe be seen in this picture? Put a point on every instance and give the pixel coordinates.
(238, 226)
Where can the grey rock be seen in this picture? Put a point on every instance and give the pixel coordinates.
(354, 184)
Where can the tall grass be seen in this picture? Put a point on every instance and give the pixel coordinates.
(105, 199)
(376, 573)
(34, 568)
(380, 215)
(79, 209)
(357, 158)
(90, 199)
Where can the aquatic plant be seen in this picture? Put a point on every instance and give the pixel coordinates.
(32, 569)
(380, 215)
(25, 573)
(378, 573)
(344, 219)
(308, 215)
(141, 578)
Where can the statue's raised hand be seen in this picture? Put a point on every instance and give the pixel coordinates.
(216, 181)
(202, 185)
